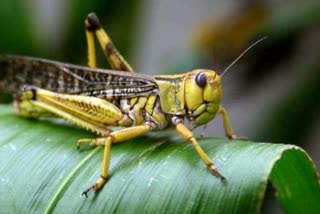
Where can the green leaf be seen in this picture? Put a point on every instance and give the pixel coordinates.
(42, 172)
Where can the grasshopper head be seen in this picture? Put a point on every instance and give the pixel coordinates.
(202, 96)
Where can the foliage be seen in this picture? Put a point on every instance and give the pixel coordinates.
(41, 171)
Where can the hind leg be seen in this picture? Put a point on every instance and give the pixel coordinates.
(26, 108)
(116, 60)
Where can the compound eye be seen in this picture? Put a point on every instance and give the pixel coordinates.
(201, 80)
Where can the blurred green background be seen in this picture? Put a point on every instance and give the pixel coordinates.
(272, 93)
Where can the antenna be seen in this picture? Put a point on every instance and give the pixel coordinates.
(241, 55)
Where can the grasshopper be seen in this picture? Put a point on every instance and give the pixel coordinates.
(95, 99)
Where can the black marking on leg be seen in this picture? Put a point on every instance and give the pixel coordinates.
(123, 67)
(230, 137)
(85, 193)
(93, 22)
(103, 177)
(109, 49)
(215, 172)
(33, 89)
(93, 187)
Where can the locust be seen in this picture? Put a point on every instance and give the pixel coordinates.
(97, 99)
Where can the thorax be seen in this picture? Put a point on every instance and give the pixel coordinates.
(142, 109)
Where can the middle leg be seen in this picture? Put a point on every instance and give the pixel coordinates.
(114, 137)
